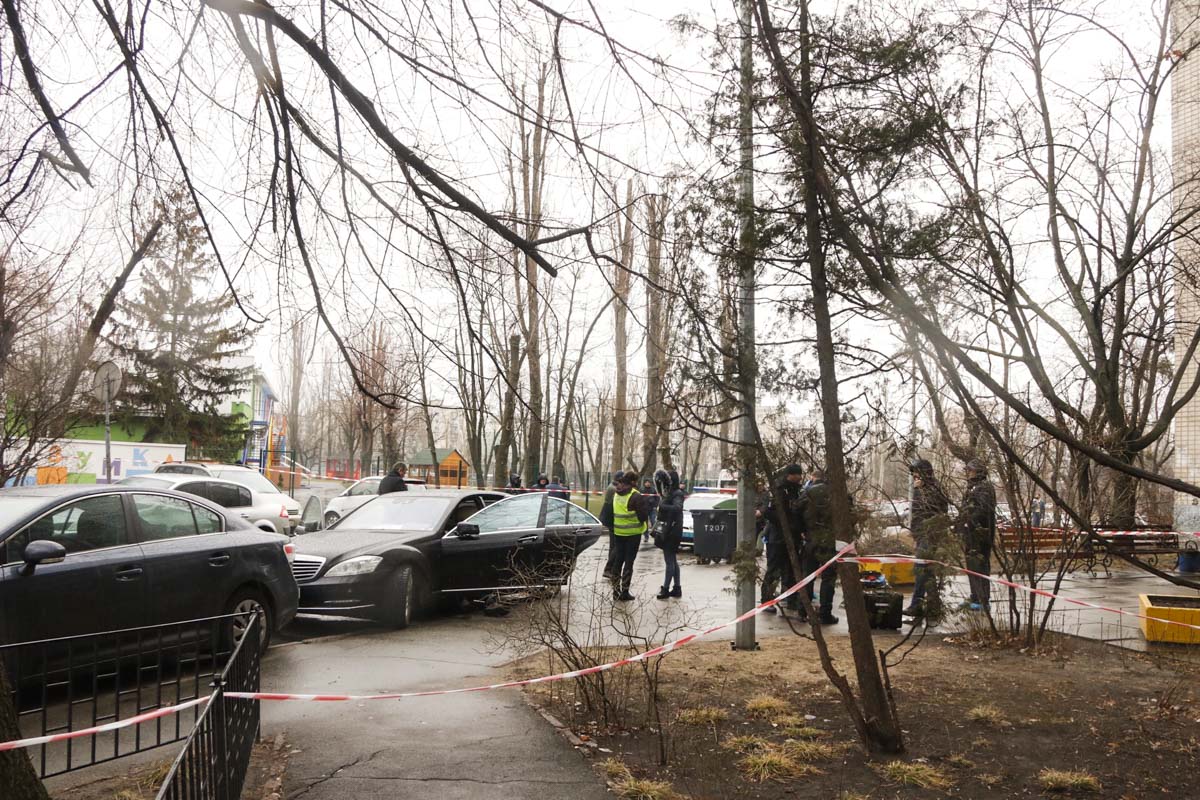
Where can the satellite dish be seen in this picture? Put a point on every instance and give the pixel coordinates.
(106, 385)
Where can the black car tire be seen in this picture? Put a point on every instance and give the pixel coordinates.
(401, 598)
(243, 601)
(331, 517)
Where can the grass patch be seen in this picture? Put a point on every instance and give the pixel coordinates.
(809, 750)
(641, 789)
(772, 765)
(745, 744)
(803, 732)
(914, 773)
(989, 715)
(707, 715)
(1067, 781)
(764, 706)
(615, 770)
(959, 761)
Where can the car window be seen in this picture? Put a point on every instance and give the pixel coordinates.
(463, 511)
(227, 495)
(147, 481)
(163, 517)
(581, 516)
(207, 521)
(515, 512)
(183, 469)
(88, 524)
(365, 487)
(557, 511)
(198, 488)
(249, 478)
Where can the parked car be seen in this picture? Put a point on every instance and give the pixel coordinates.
(397, 554)
(83, 559)
(358, 493)
(252, 479)
(267, 514)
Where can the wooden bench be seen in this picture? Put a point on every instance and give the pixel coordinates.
(1052, 543)
(1139, 543)
(1044, 544)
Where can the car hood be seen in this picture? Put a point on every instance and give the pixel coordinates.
(336, 543)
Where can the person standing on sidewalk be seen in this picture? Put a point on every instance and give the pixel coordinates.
(976, 526)
(927, 518)
(670, 518)
(652, 497)
(820, 544)
(781, 510)
(606, 519)
(629, 523)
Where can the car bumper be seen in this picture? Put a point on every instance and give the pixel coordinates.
(352, 596)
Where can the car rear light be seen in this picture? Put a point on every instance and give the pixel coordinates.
(289, 550)
(283, 512)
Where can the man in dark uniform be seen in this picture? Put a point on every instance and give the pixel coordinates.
(927, 518)
(394, 480)
(976, 526)
(781, 507)
(820, 544)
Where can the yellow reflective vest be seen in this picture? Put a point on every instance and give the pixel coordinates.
(625, 519)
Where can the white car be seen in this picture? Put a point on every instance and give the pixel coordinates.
(358, 493)
(264, 491)
(257, 509)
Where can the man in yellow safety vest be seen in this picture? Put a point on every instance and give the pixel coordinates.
(629, 523)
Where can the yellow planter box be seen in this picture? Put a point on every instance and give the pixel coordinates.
(897, 573)
(1179, 608)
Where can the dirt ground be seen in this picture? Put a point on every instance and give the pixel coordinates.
(979, 722)
(264, 777)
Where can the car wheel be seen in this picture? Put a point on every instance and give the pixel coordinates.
(331, 517)
(243, 603)
(401, 598)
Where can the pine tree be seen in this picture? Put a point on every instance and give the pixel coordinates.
(181, 342)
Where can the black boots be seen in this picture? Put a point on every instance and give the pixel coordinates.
(663, 594)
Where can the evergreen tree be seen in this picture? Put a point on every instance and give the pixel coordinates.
(181, 342)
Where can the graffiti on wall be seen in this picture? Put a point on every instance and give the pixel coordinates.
(82, 461)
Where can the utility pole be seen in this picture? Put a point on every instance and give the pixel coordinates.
(747, 359)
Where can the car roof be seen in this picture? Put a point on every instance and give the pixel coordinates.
(175, 478)
(449, 493)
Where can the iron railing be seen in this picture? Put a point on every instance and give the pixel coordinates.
(213, 763)
(75, 682)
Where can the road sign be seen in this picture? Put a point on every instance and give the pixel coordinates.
(107, 383)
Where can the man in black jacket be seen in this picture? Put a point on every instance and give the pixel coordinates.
(782, 520)
(820, 542)
(927, 518)
(394, 480)
(977, 526)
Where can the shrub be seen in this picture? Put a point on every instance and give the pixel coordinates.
(1068, 781)
(914, 773)
(764, 706)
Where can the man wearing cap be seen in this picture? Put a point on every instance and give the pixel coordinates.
(782, 520)
(976, 525)
(629, 516)
(930, 506)
(606, 519)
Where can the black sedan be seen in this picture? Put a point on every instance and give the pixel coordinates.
(84, 559)
(399, 553)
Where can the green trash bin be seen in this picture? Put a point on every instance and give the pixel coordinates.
(715, 534)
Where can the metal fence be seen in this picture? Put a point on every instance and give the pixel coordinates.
(213, 763)
(65, 684)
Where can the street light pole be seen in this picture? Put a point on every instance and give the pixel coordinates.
(747, 360)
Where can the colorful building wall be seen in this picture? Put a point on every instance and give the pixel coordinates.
(82, 461)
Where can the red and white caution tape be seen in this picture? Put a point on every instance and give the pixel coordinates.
(111, 726)
(896, 559)
(321, 698)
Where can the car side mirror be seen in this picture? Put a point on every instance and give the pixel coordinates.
(466, 530)
(42, 551)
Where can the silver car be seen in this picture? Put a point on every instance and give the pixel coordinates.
(260, 510)
(358, 493)
(265, 492)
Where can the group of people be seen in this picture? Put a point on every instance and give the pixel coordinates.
(631, 516)
(553, 485)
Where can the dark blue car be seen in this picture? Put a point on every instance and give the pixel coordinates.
(81, 559)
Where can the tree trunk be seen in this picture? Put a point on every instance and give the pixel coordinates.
(18, 780)
(621, 286)
(883, 729)
(656, 334)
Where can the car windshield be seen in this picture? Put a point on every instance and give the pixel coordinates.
(398, 512)
(156, 483)
(248, 478)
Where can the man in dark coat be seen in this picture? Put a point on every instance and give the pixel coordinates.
(557, 489)
(394, 480)
(820, 543)
(927, 518)
(514, 481)
(651, 497)
(976, 525)
(783, 520)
